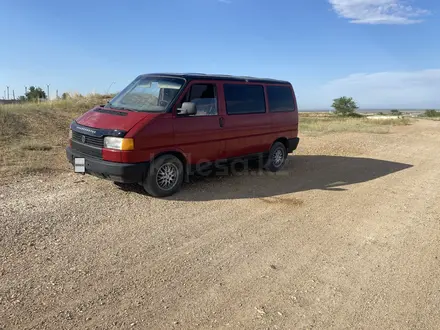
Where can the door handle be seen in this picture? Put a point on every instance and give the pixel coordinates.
(221, 121)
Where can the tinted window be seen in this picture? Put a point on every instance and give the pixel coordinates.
(242, 99)
(280, 98)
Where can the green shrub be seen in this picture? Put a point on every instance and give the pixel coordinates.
(344, 106)
(432, 113)
(354, 115)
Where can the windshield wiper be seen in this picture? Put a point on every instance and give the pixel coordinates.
(109, 105)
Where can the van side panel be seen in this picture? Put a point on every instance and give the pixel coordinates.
(247, 134)
(198, 137)
(285, 124)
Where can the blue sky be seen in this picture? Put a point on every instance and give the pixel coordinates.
(384, 53)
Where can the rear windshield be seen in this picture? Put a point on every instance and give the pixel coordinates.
(150, 94)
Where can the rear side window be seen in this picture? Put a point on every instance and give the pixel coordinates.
(280, 98)
(243, 99)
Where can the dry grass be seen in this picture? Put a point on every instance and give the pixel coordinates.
(36, 147)
(33, 136)
(315, 114)
(326, 123)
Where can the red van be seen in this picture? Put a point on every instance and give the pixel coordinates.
(162, 127)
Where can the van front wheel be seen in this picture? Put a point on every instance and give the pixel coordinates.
(164, 177)
(277, 157)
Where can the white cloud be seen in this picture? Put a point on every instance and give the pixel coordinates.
(405, 90)
(378, 11)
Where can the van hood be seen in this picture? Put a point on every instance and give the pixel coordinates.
(112, 119)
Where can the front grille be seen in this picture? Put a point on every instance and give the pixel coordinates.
(88, 139)
(87, 149)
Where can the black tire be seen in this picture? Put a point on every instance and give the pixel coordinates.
(154, 183)
(277, 157)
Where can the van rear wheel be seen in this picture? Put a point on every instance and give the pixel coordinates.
(165, 176)
(277, 157)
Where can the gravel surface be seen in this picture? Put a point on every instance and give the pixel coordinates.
(346, 237)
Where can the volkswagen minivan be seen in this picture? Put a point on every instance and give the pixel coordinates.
(162, 127)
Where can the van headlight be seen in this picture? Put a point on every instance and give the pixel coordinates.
(117, 143)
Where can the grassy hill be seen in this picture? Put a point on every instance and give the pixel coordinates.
(33, 136)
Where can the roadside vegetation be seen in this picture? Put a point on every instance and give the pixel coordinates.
(33, 135)
(317, 124)
(431, 114)
(344, 118)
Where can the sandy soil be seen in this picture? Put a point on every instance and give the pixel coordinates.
(346, 237)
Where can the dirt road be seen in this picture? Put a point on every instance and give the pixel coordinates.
(347, 237)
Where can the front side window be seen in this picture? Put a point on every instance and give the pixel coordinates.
(280, 98)
(204, 96)
(243, 99)
(151, 94)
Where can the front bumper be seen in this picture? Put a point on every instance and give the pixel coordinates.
(119, 172)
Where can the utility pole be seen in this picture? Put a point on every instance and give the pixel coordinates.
(13, 94)
(4, 95)
(48, 93)
(57, 94)
(25, 90)
(7, 87)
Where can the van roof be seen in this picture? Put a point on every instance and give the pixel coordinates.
(205, 76)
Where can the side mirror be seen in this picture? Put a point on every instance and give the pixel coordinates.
(188, 108)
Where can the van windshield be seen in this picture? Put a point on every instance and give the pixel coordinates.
(151, 94)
